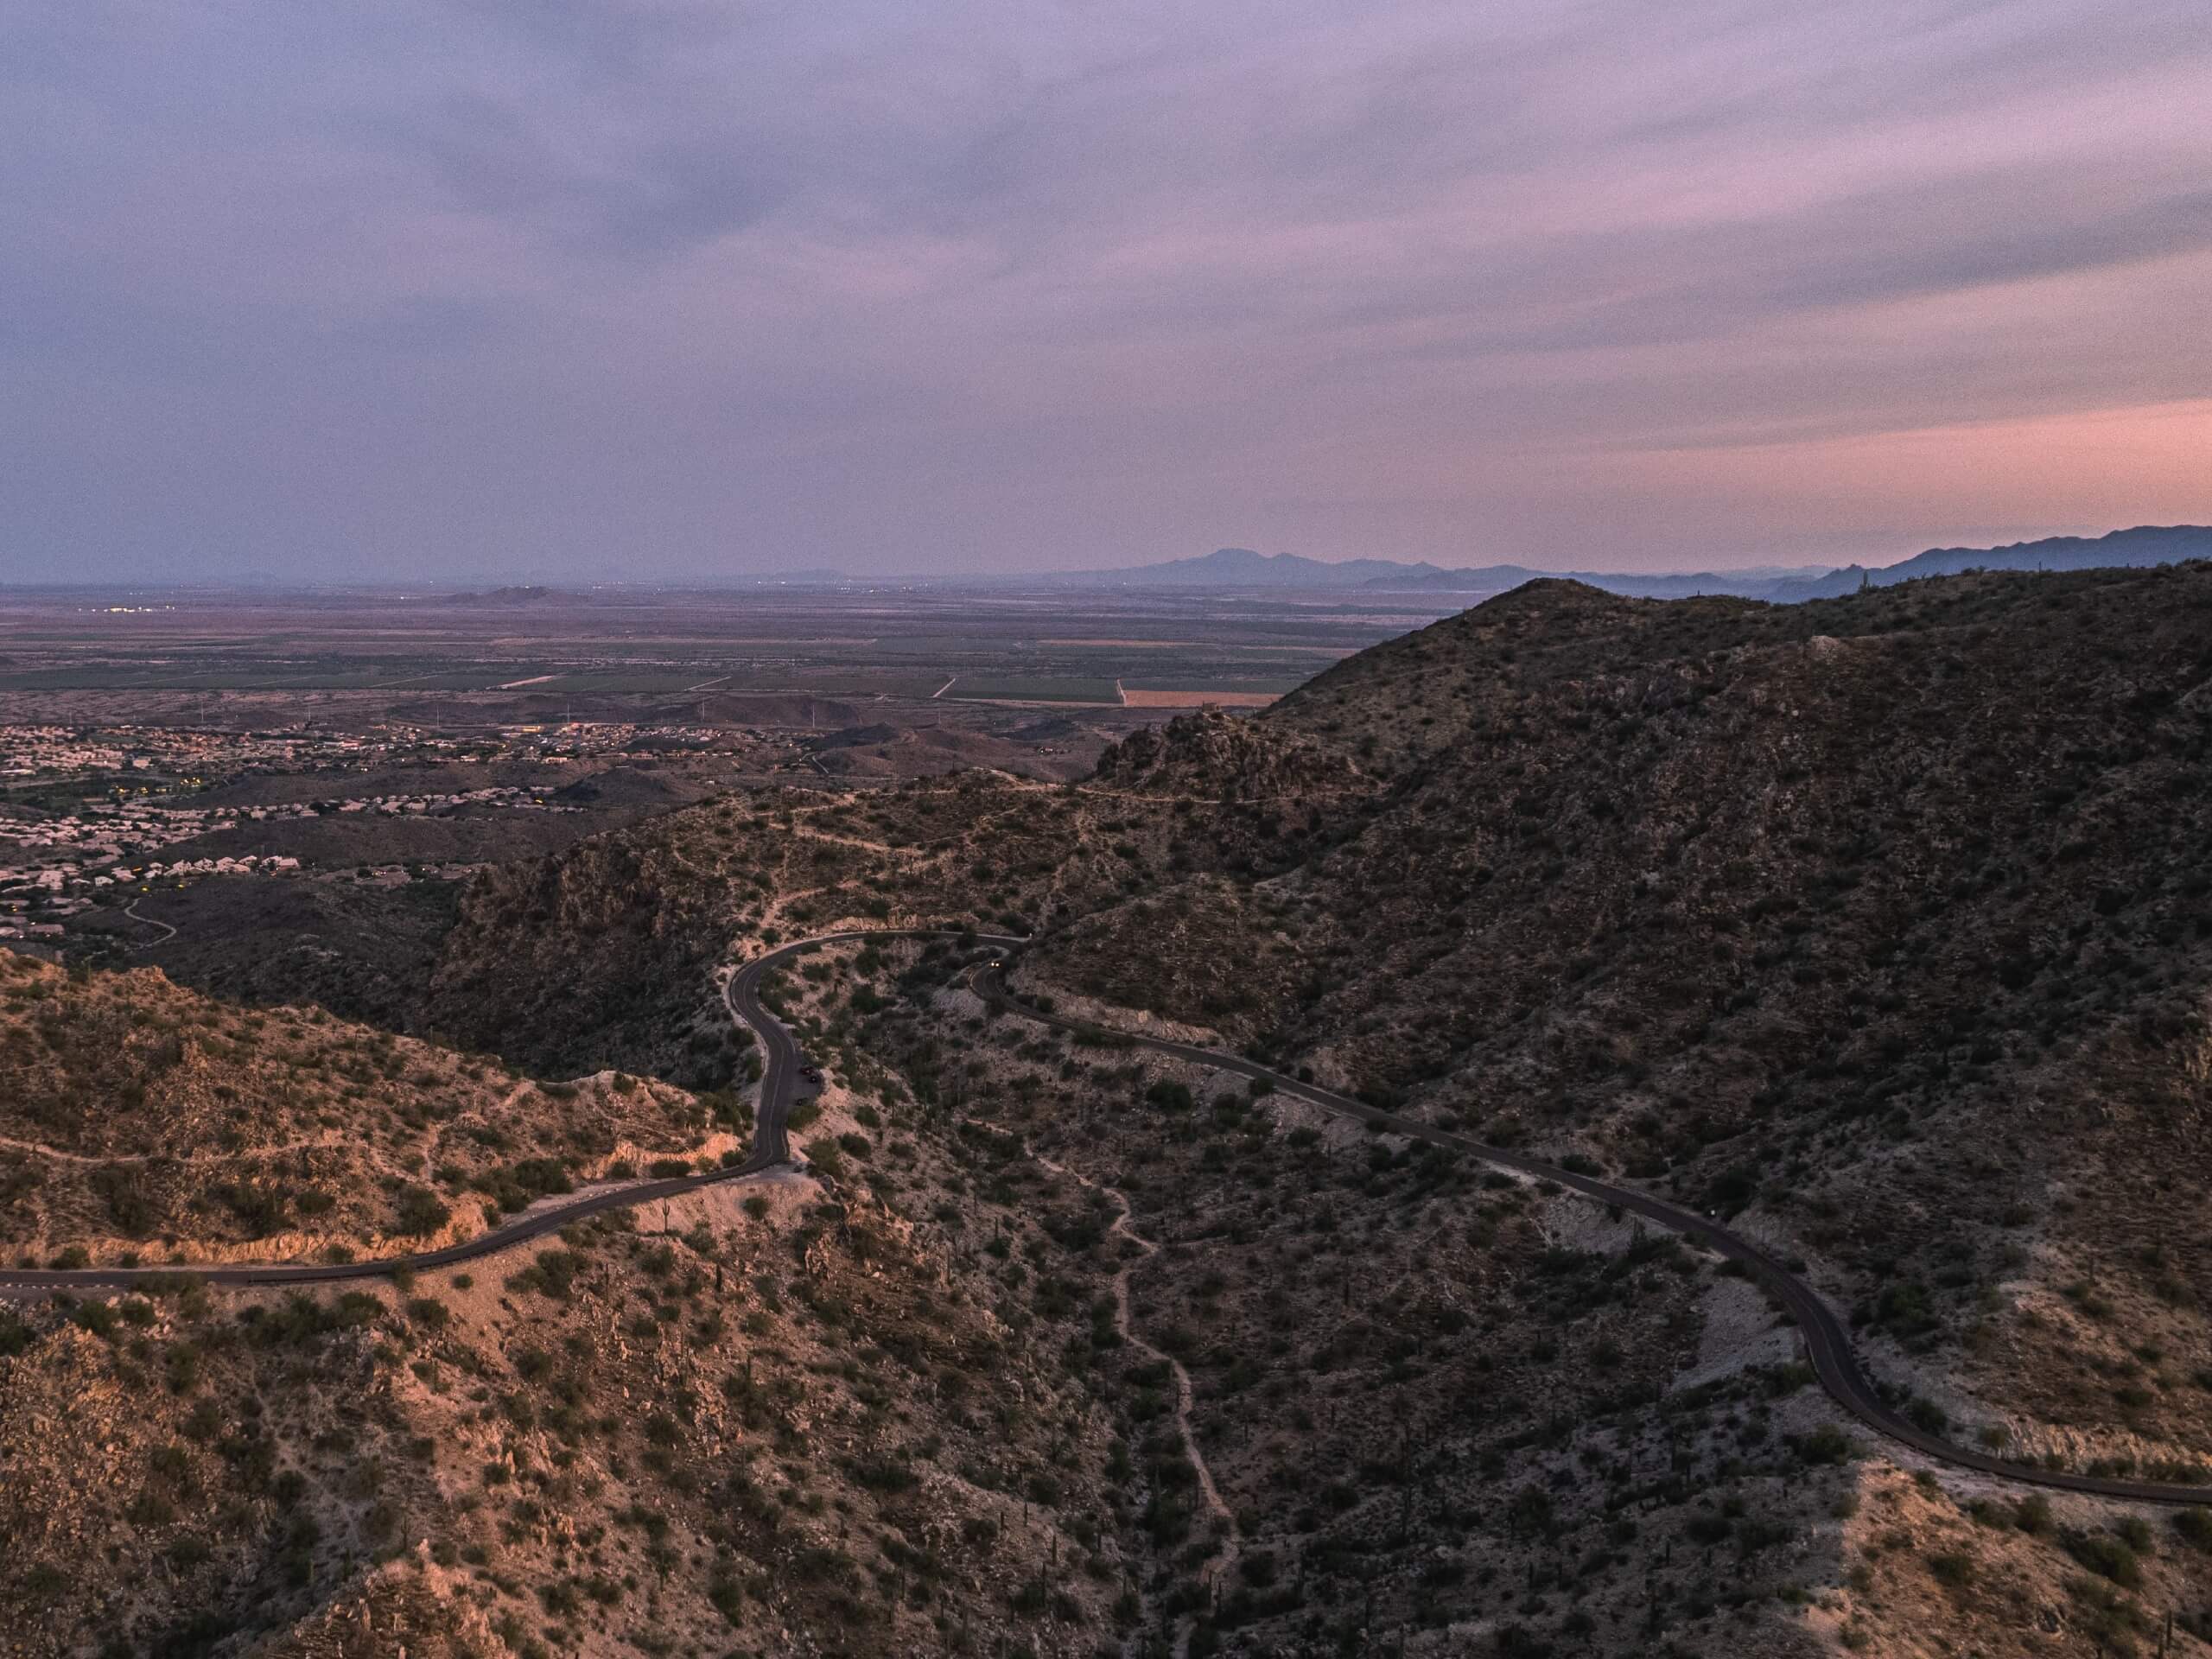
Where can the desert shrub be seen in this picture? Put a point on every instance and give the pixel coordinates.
(190, 1552)
(300, 1319)
(260, 1210)
(1953, 1567)
(418, 1212)
(1904, 1307)
(1169, 1095)
(1708, 1527)
(727, 1595)
(1532, 1512)
(128, 1206)
(1756, 1533)
(1825, 1446)
(882, 1474)
(182, 1365)
(1925, 1414)
(1518, 1642)
(513, 1186)
(2109, 1556)
(2195, 1525)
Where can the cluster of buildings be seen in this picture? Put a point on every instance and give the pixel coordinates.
(602, 738)
(107, 833)
(62, 752)
(85, 813)
(133, 792)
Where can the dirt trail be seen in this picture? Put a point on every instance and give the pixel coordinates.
(39, 1148)
(1101, 793)
(883, 847)
(1217, 1564)
(965, 832)
(167, 933)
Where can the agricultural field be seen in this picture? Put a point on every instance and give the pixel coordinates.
(218, 782)
(1016, 688)
(456, 661)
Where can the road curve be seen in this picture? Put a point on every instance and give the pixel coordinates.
(1828, 1341)
(779, 1077)
(167, 932)
(779, 1072)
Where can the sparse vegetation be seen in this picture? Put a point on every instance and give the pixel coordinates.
(1869, 924)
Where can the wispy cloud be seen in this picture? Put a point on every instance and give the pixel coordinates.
(669, 285)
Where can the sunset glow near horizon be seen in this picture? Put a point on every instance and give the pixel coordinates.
(668, 288)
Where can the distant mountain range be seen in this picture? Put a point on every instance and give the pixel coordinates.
(1240, 567)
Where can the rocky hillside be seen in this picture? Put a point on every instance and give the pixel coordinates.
(836, 1412)
(754, 1431)
(606, 952)
(1882, 920)
(1228, 759)
(1879, 919)
(602, 955)
(143, 1121)
(1878, 924)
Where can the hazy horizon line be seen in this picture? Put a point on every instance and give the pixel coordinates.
(457, 586)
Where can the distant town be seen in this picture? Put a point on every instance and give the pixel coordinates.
(87, 815)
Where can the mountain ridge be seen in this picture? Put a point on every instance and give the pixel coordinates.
(2137, 547)
(1874, 926)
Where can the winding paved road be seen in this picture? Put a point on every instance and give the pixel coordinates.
(1827, 1342)
(779, 1078)
(779, 1070)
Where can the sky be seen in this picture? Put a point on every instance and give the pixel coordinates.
(645, 288)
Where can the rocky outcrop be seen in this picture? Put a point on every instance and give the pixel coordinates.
(1227, 757)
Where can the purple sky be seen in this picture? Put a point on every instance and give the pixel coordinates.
(645, 287)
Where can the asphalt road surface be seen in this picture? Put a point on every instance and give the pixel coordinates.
(1828, 1341)
(779, 1081)
(780, 1059)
